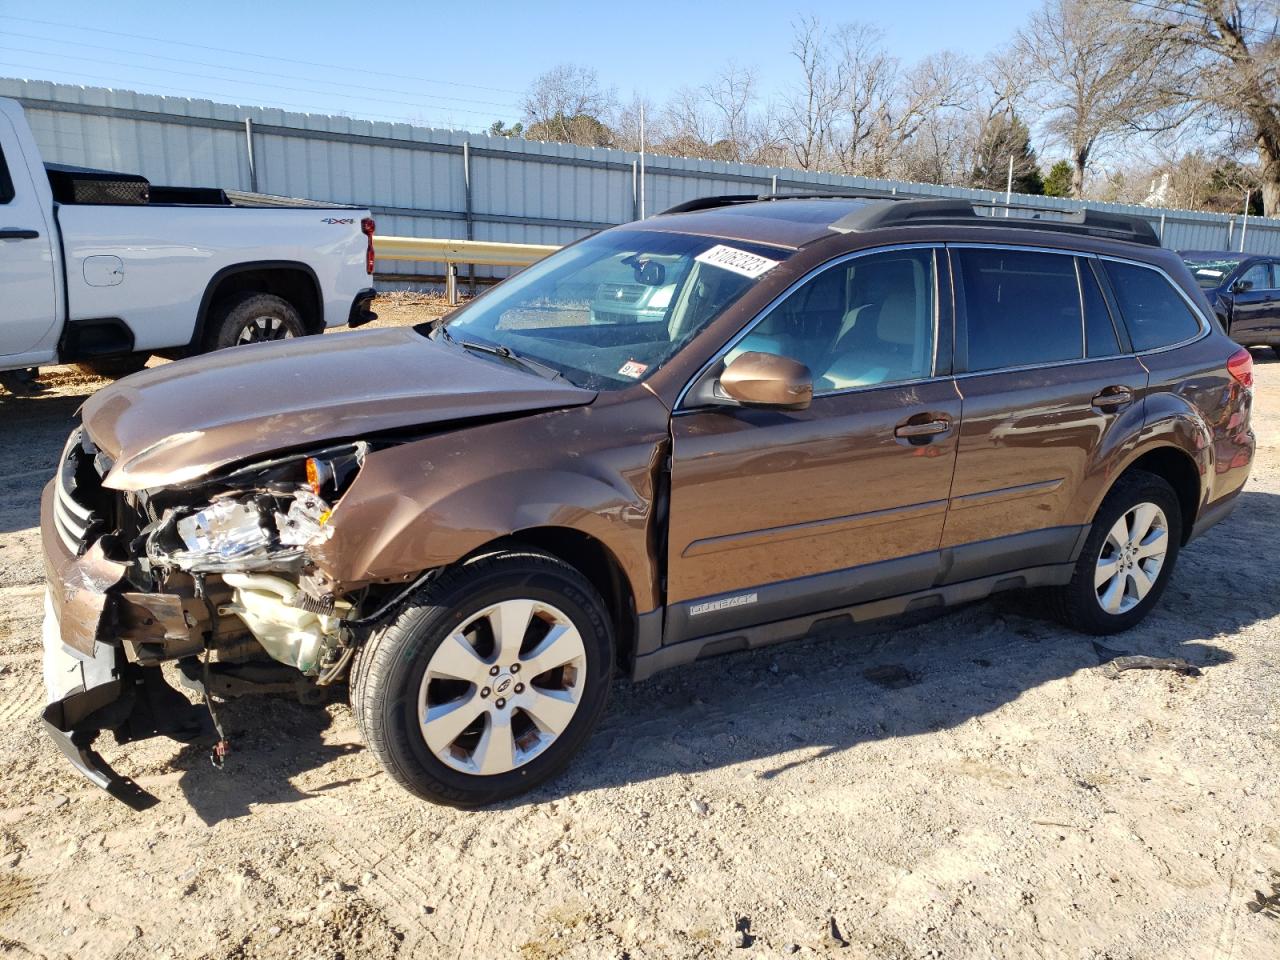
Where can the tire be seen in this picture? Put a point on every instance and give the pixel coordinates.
(398, 678)
(1080, 603)
(113, 368)
(1276, 351)
(252, 318)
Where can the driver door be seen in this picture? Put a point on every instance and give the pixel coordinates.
(777, 513)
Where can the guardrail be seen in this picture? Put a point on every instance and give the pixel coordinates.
(453, 252)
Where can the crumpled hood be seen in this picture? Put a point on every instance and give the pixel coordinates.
(179, 421)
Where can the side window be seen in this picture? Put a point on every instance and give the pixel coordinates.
(1099, 333)
(6, 183)
(864, 322)
(1258, 276)
(1153, 311)
(1021, 307)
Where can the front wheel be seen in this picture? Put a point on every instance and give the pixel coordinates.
(489, 681)
(1127, 560)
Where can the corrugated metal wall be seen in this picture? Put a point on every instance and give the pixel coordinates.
(416, 179)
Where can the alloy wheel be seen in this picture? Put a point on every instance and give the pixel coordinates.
(262, 329)
(1131, 559)
(502, 687)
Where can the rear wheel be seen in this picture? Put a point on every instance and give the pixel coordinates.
(253, 318)
(1127, 560)
(488, 682)
(1276, 351)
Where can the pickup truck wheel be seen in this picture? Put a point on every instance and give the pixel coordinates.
(489, 681)
(113, 368)
(253, 318)
(1127, 560)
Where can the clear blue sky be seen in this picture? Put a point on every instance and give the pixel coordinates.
(444, 64)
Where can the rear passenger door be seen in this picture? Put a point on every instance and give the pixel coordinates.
(1049, 391)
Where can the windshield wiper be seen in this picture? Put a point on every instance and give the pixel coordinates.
(506, 353)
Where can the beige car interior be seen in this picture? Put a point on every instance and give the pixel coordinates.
(864, 322)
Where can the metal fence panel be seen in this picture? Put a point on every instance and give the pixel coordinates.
(415, 179)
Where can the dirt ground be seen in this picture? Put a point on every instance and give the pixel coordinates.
(1003, 799)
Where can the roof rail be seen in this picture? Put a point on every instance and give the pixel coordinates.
(708, 203)
(951, 212)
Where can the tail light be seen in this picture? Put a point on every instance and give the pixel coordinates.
(367, 227)
(1240, 366)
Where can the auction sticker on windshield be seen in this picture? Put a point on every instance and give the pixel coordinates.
(737, 261)
(633, 369)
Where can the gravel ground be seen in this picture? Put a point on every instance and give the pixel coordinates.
(1003, 798)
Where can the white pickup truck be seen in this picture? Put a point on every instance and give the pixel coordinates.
(105, 269)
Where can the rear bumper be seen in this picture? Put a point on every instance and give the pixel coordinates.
(360, 308)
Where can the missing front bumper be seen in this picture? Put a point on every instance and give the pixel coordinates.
(89, 693)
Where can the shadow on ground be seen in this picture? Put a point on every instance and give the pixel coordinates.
(272, 740)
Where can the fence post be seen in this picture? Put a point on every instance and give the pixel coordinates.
(248, 144)
(635, 190)
(1231, 229)
(451, 283)
(1162, 228)
(471, 225)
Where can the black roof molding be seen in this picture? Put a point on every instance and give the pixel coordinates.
(709, 203)
(959, 212)
(946, 211)
(732, 199)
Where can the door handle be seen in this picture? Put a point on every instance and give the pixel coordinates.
(15, 233)
(1113, 398)
(919, 431)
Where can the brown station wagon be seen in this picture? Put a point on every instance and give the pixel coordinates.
(700, 433)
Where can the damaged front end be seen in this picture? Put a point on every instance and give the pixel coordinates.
(214, 576)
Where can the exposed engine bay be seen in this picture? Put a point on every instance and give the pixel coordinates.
(252, 536)
(215, 576)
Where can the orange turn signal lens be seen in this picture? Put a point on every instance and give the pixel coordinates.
(313, 475)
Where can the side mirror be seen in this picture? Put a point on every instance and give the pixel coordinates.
(1242, 286)
(768, 380)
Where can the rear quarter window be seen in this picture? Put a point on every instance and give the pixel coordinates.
(1154, 312)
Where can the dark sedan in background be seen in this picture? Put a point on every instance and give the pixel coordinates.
(1244, 289)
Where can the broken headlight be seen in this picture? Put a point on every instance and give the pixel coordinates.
(263, 518)
(224, 531)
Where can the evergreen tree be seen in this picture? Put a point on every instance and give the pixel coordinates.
(1002, 137)
(1058, 182)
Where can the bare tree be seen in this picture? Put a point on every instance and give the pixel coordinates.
(1095, 78)
(809, 113)
(1232, 50)
(567, 104)
(730, 96)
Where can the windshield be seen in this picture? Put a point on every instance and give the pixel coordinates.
(1212, 273)
(609, 311)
